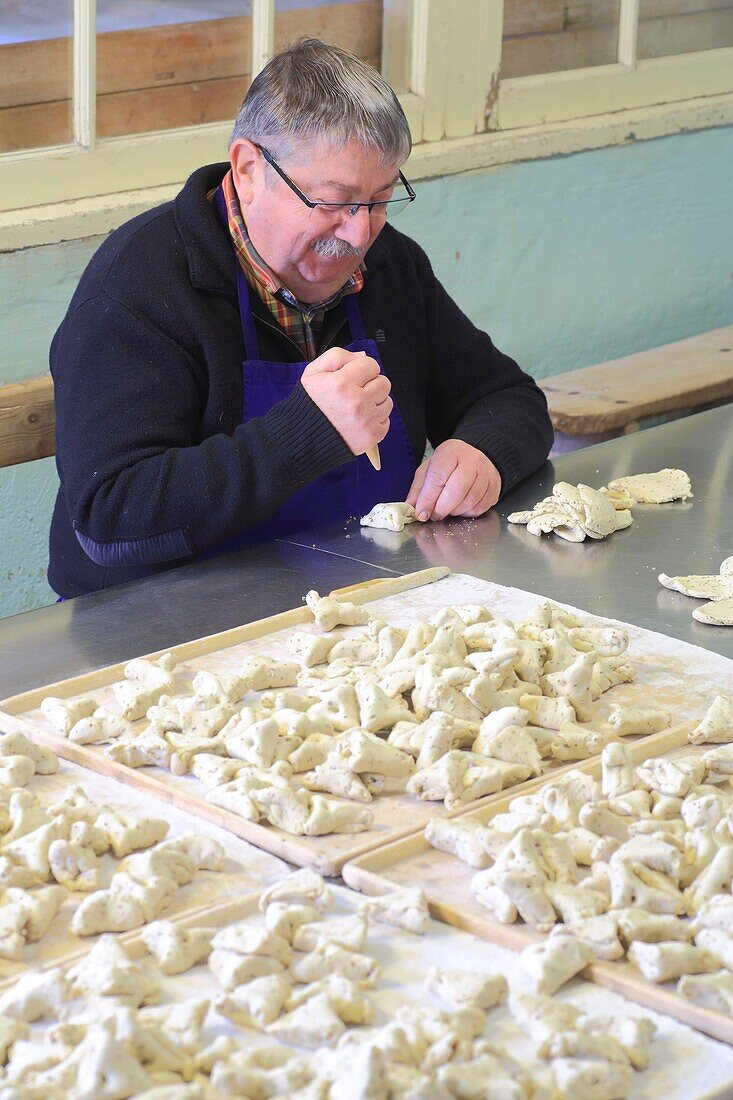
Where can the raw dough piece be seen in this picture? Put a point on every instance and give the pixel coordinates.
(465, 989)
(390, 517)
(591, 1080)
(406, 909)
(657, 488)
(17, 744)
(714, 991)
(256, 1004)
(100, 726)
(347, 932)
(716, 725)
(64, 713)
(313, 1024)
(16, 771)
(715, 614)
(701, 587)
(310, 649)
(555, 961)
(461, 838)
(36, 995)
(108, 971)
(330, 612)
(329, 958)
(661, 962)
(174, 948)
(573, 512)
(261, 673)
(627, 721)
(304, 887)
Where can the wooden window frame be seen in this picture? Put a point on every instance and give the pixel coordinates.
(443, 56)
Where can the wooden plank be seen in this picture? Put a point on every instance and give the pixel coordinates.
(534, 16)
(177, 53)
(541, 16)
(27, 421)
(354, 27)
(446, 882)
(685, 33)
(683, 375)
(581, 45)
(572, 48)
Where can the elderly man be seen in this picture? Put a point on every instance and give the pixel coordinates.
(229, 357)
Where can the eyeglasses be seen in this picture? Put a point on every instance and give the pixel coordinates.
(392, 206)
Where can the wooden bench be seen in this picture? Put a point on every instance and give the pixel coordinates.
(586, 405)
(615, 398)
(27, 421)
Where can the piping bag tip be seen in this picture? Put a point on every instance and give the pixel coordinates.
(374, 457)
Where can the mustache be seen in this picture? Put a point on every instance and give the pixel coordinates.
(335, 249)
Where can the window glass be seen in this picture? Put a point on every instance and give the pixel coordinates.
(355, 25)
(668, 27)
(36, 52)
(548, 36)
(162, 64)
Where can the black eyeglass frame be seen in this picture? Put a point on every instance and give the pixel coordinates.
(352, 207)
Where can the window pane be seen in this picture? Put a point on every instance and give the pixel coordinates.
(168, 63)
(671, 27)
(36, 51)
(355, 25)
(547, 36)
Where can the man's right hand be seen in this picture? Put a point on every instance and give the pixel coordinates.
(351, 392)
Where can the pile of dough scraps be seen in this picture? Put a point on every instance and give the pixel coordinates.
(449, 709)
(715, 587)
(577, 512)
(390, 517)
(639, 864)
(54, 852)
(295, 1016)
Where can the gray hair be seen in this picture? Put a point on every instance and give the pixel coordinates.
(316, 91)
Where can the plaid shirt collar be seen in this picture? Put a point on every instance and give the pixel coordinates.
(301, 321)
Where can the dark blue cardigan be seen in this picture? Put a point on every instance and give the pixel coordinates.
(154, 464)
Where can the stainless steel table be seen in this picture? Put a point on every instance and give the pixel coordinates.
(617, 577)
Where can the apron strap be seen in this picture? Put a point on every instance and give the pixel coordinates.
(353, 315)
(249, 332)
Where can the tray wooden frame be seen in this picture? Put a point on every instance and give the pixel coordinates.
(370, 875)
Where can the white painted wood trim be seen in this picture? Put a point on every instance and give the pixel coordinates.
(263, 34)
(628, 33)
(84, 93)
(50, 223)
(558, 97)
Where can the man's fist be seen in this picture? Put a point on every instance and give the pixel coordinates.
(457, 480)
(350, 391)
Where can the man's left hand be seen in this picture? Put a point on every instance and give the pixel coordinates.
(457, 480)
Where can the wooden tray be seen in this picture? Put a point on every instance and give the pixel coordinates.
(395, 815)
(446, 882)
(247, 905)
(245, 870)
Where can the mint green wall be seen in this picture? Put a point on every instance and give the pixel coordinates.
(566, 262)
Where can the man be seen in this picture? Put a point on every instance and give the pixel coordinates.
(228, 358)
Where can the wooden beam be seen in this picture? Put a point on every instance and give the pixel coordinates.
(685, 375)
(581, 45)
(178, 53)
(27, 421)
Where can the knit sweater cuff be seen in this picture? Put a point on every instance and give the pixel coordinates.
(307, 439)
(500, 450)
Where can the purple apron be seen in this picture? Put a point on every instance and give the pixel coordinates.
(352, 488)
